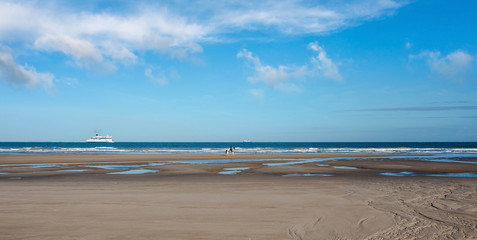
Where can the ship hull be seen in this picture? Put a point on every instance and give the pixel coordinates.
(100, 141)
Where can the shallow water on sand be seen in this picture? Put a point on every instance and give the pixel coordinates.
(406, 174)
(115, 167)
(233, 170)
(307, 175)
(134, 165)
(136, 171)
(73, 170)
(344, 167)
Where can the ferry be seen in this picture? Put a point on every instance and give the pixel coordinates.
(102, 139)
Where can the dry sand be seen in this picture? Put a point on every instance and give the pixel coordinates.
(192, 201)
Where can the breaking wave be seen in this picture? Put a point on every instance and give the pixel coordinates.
(239, 150)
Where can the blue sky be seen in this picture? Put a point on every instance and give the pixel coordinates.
(372, 70)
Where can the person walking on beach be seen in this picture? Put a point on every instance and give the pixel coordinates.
(230, 150)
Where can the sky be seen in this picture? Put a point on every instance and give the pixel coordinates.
(365, 70)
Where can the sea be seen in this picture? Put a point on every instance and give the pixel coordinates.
(460, 149)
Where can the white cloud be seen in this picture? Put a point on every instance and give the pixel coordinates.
(145, 28)
(324, 63)
(99, 40)
(165, 27)
(257, 93)
(72, 82)
(299, 17)
(173, 74)
(277, 78)
(103, 39)
(85, 54)
(158, 75)
(455, 66)
(22, 76)
(82, 51)
(119, 53)
(284, 78)
(158, 78)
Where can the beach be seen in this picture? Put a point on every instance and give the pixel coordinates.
(238, 120)
(241, 196)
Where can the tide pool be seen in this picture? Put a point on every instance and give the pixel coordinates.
(136, 171)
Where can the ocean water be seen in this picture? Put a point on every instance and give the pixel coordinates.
(453, 152)
(457, 148)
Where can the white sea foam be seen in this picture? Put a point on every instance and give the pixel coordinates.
(238, 150)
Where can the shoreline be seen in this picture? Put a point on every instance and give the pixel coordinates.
(245, 165)
(102, 157)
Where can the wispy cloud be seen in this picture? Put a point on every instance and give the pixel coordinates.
(22, 76)
(452, 102)
(420, 109)
(298, 17)
(324, 63)
(158, 78)
(72, 82)
(274, 77)
(453, 117)
(119, 53)
(83, 52)
(286, 77)
(256, 93)
(454, 66)
(158, 75)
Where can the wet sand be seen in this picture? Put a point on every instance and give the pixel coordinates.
(54, 158)
(192, 201)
